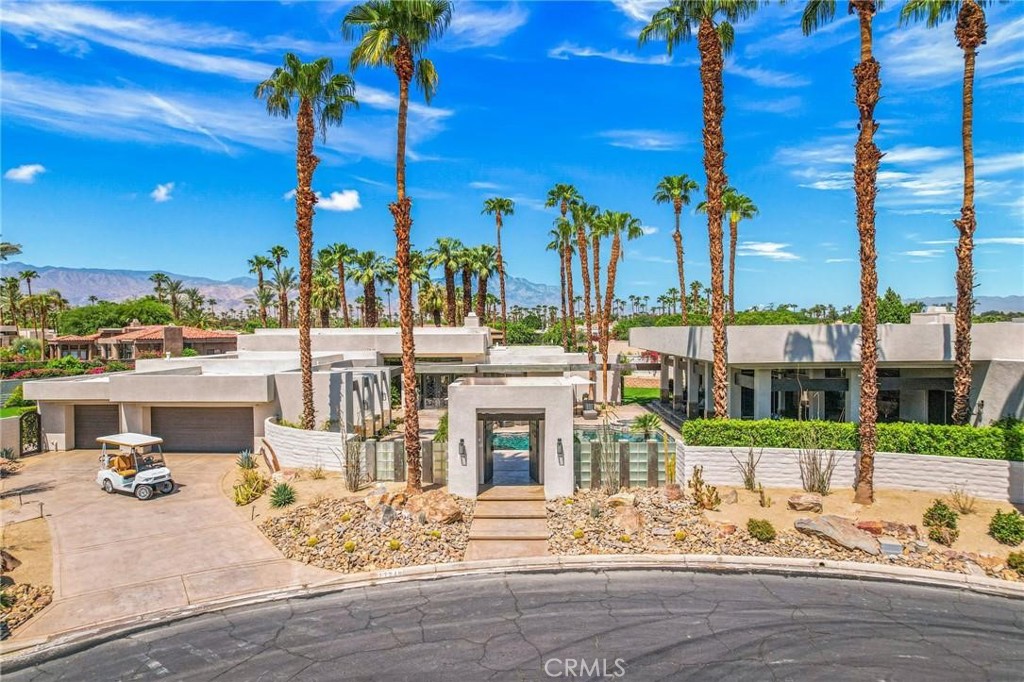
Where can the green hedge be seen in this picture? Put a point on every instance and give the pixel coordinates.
(1002, 441)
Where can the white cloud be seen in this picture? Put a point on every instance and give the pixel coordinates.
(903, 153)
(783, 105)
(649, 229)
(643, 140)
(26, 173)
(1006, 241)
(840, 260)
(639, 10)
(484, 185)
(162, 192)
(474, 26)
(766, 77)
(770, 250)
(637, 255)
(923, 253)
(289, 195)
(345, 200)
(567, 50)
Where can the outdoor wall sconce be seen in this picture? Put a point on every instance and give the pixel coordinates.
(561, 453)
(462, 451)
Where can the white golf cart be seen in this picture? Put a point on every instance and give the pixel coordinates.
(133, 463)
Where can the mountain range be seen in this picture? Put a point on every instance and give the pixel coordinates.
(77, 285)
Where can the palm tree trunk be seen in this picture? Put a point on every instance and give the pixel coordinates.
(306, 163)
(598, 309)
(711, 65)
(569, 303)
(263, 307)
(733, 236)
(341, 293)
(449, 293)
(370, 304)
(609, 297)
(561, 274)
(865, 172)
(467, 291)
(677, 237)
(401, 210)
(581, 245)
(501, 278)
(481, 298)
(970, 33)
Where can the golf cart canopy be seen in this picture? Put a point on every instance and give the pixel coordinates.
(130, 440)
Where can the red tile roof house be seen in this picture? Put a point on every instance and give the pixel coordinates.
(135, 340)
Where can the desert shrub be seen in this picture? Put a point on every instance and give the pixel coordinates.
(748, 468)
(704, 496)
(762, 497)
(816, 465)
(962, 500)
(1002, 440)
(1007, 528)
(8, 454)
(246, 460)
(6, 600)
(441, 435)
(282, 495)
(317, 473)
(281, 421)
(436, 534)
(578, 534)
(354, 473)
(249, 487)
(941, 521)
(761, 529)
(394, 545)
(312, 541)
(189, 352)
(1015, 561)
(17, 398)
(349, 546)
(518, 334)
(680, 535)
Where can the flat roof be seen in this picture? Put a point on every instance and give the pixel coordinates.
(512, 381)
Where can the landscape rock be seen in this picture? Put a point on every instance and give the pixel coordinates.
(873, 527)
(975, 569)
(621, 500)
(398, 500)
(436, 506)
(730, 497)
(838, 531)
(673, 492)
(385, 514)
(806, 502)
(628, 519)
(890, 546)
(725, 529)
(378, 495)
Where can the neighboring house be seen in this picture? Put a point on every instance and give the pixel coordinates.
(137, 340)
(813, 371)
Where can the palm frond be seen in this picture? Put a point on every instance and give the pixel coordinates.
(426, 78)
(816, 14)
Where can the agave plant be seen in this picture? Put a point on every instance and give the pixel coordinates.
(282, 495)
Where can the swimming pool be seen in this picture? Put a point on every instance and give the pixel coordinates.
(520, 440)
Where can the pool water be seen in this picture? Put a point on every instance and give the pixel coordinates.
(516, 440)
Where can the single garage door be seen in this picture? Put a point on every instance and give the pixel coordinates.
(92, 422)
(203, 429)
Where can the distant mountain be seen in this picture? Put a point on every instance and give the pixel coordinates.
(78, 284)
(1004, 304)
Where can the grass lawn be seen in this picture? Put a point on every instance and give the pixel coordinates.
(632, 395)
(14, 411)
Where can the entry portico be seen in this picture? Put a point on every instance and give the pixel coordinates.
(474, 403)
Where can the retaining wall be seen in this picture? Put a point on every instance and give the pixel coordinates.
(779, 468)
(301, 449)
(10, 434)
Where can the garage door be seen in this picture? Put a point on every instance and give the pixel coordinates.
(203, 429)
(93, 421)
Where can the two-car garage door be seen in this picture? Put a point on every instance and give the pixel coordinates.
(203, 429)
(92, 422)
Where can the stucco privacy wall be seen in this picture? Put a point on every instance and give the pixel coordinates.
(780, 468)
(299, 449)
(10, 436)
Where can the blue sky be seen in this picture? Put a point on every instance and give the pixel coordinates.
(131, 140)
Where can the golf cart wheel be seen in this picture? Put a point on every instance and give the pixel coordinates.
(108, 487)
(166, 487)
(144, 492)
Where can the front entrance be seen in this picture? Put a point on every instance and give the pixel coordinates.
(511, 448)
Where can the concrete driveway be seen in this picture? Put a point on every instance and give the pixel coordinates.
(115, 556)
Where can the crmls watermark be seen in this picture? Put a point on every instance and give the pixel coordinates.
(581, 667)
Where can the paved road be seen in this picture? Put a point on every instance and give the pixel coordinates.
(115, 556)
(662, 625)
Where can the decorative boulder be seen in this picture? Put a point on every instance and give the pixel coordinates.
(378, 495)
(840, 532)
(730, 497)
(628, 519)
(673, 492)
(436, 506)
(622, 500)
(873, 527)
(808, 502)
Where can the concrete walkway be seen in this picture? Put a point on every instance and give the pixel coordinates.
(116, 557)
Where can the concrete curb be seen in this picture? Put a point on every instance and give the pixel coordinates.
(25, 654)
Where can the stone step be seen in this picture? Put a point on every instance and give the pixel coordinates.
(508, 529)
(478, 550)
(511, 509)
(512, 493)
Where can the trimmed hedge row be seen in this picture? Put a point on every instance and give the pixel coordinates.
(982, 442)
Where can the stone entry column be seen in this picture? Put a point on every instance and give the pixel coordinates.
(664, 378)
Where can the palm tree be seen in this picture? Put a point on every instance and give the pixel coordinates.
(394, 34)
(8, 249)
(257, 264)
(263, 297)
(597, 233)
(466, 265)
(279, 253)
(615, 224)
(675, 190)
(343, 255)
(499, 207)
(445, 254)
(283, 281)
(712, 21)
(322, 97)
(970, 33)
(159, 281)
(485, 264)
(557, 244)
(11, 289)
(432, 301)
(324, 296)
(563, 196)
(367, 269)
(738, 207)
(583, 216)
(27, 276)
(867, 156)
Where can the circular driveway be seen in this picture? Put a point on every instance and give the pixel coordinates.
(629, 624)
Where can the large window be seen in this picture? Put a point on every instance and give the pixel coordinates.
(888, 401)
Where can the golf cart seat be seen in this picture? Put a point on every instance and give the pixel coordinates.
(122, 464)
